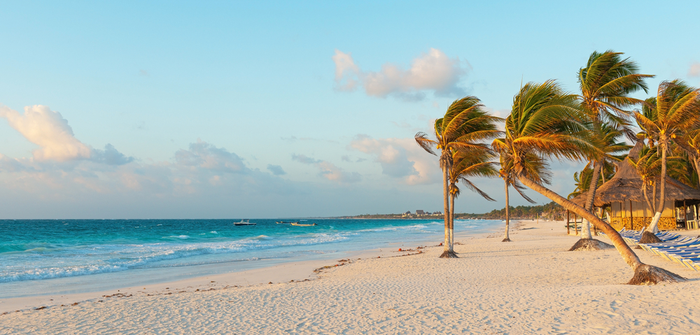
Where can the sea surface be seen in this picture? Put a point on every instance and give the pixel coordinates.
(40, 257)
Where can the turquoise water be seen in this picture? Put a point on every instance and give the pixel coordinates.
(35, 252)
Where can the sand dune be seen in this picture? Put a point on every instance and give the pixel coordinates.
(529, 286)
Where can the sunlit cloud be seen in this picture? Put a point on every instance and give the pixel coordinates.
(431, 72)
(47, 129)
(400, 158)
(51, 132)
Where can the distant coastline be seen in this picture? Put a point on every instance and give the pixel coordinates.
(550, 211)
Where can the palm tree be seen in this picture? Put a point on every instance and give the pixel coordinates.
(676, 109)
(464, 123)
(605, 83)
(690, 143)
(648, 165)
(465, 164)
(547, 123)
(509, 179)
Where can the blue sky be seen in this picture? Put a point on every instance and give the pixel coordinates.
(273, 109)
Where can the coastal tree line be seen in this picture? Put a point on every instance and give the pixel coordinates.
(550, 211)
(546, 123)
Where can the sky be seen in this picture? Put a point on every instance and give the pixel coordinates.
(175, 109)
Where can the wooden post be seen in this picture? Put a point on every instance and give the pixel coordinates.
(575, 224)
(631, 217)
(567, 222)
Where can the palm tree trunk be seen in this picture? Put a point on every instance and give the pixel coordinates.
(586, 227)
(646, 195)
(696, 162)
(445, 193)
(452, 223)
(643, 273)
(654, 226)
(653, 196)
(507, 237)
(627, 254)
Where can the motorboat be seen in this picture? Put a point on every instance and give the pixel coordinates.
(303, 224)
(245, 222)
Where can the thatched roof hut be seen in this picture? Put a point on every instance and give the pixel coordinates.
(623, 194)
(626, 185)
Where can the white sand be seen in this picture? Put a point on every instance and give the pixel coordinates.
(531, 285)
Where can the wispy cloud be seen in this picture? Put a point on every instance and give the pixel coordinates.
(431, 72)
(328, 170)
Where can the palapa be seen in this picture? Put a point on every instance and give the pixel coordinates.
(626, 185)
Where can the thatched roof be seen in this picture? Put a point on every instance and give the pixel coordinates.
(627, 185)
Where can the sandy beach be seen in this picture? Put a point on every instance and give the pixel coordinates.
(529, 286)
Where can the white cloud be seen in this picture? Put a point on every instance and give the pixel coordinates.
(694, 70)
(433, 71)
(51, 132)
(47, 129)
(329, 170)
(400, 158)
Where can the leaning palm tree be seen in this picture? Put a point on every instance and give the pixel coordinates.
(676, 109)
(464, 124)
(547, 123)
(606, 82)
(466, 164)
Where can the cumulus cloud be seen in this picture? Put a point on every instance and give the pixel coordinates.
(694, 70)
(400, 158)
(47, 129)
(51, 132)
(329, 170)
(276, 170)
(431, 72)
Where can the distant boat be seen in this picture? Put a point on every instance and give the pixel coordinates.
(281, 222)
(303, 224)
(244, 223)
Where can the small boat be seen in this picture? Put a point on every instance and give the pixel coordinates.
(302, 224)
(244, 223)
(281, 222)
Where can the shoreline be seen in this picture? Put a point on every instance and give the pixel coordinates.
(278, 272)
(529, 285)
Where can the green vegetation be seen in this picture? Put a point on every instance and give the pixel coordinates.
(550, 211)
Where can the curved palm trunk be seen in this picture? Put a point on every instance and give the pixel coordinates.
(507, 237)
(586, 227)
(643, 273)
(627, 254)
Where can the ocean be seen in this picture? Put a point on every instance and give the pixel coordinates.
(39, 257)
